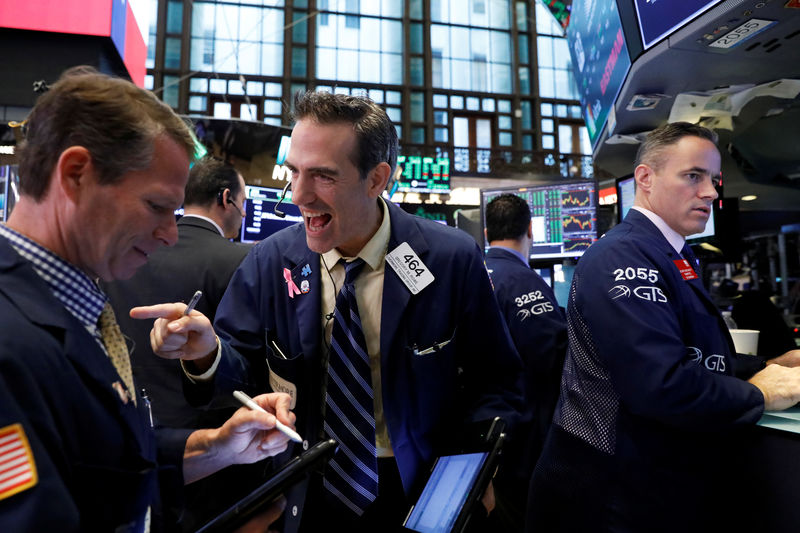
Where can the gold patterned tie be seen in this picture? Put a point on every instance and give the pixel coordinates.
(116, 347)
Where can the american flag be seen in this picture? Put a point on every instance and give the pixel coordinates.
(17, 469)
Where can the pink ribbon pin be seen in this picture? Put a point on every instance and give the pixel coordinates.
(287, 275)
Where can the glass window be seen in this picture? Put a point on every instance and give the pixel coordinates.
(460, 131)
(575, 111)
(300, 28)
(527, 142)
(235, 87)
(393, 97)
(547, 125)
(504, 106)
(416, 71)
(457, 102)
(399, 129)
(504, 138)
(376, 95)
(483, 133)
(394, 114)
(561, 110)
(418, 135)
(275, 121)
(255, 88)
(392, 36)
(525, 106)
(415, 9)
(174, 17)
(547, 110)
(417, 107)
(170, 94)
(586, 145)
(298, 61)
(440, 100)
(148, 82)
(565, 138)
(523, 48)
(172, 52)
(473, 103)
(487, 104)
(222, 110)
(248, 112)
(524, 80)
(440, 118)
(272, 107)
(219, 86)
(522, 16)
(272, 89)
(440, 135)
(368, 72)
(504, 122)
(150, 62)
(415, 44)
(548, 142)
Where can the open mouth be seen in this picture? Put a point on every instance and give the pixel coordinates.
(316, 221)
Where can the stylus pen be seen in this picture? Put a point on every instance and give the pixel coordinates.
(193, 302)
(248, 401)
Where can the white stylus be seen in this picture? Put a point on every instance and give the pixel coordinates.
(248, 402)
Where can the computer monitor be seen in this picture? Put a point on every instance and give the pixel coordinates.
(563, 214)
(260, 220)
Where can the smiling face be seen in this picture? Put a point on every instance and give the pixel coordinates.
(340, 210)
(119, 225)
(680, 189)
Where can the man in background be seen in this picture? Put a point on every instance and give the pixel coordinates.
(539, 330)
(102, 169)
(203, 259)
(653, 396)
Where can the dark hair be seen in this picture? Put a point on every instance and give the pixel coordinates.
(507, 217)
(207, 179)
(375, 133)
(112, 118)
(652, 149)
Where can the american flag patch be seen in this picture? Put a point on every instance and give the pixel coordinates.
(17, 468)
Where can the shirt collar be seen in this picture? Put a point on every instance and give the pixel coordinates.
(515, 252)
(675, 239)
(71, 286)
(374, 251)
(219, 229)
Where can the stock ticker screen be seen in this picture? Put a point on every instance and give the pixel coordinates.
(423, 174)
(260, 220)
(563, 217)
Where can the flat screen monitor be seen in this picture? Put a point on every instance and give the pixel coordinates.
(659, 19)
(563, 216)
(626, 192)
(260, 220)
(423, 174)
(600, 59)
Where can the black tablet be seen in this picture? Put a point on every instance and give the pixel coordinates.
(457, 483)
(257, 501)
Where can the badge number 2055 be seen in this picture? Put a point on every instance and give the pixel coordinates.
(631, 273)
(528, 298)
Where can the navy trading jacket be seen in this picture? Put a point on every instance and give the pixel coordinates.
(426, 398)
(645, 430)
(539, 331)
(97, 464)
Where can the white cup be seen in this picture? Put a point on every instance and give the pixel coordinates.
(745, 340)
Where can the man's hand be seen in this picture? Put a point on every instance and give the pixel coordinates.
(178, 336)
(790, 359)
(780, 386)
(247, 437)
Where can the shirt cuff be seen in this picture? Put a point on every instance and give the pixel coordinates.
(208, 374)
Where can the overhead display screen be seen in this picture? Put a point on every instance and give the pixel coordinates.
(600, 59)
(423, 174)
(659, 18)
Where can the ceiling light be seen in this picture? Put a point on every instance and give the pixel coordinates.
(749, 198)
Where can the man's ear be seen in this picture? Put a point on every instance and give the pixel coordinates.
(530, 229)
(72, 170)
(643, 174)
(377, 179)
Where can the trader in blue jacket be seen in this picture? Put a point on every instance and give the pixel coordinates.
(653, 395)
(439, 354)
(102, 169)
(539, 331)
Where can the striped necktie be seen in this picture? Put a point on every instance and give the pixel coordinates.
(117, 349)
(352, 474)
